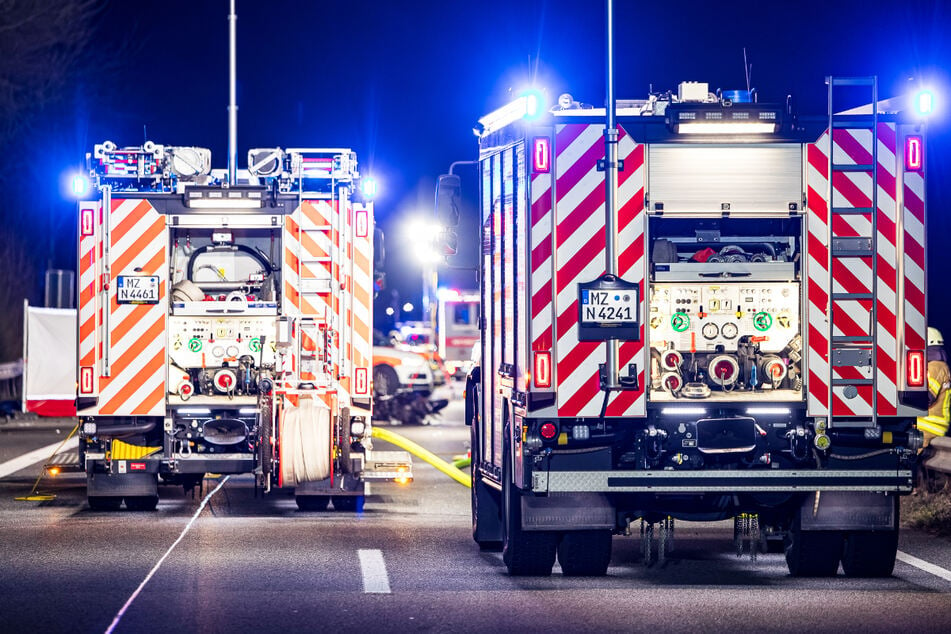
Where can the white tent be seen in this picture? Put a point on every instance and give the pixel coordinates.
(49, 361)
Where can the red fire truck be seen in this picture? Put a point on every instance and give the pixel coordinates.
(757, 351)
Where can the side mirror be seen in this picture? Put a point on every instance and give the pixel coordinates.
(379, 257)
(448, 193)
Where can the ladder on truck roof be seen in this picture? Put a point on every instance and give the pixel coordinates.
(858, 351)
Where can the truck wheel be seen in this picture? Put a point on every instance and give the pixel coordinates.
(812, 553)
(141, 502)
(525, 553)
(585, 553)
(312, 502)
(349, 503)
(385, 381)
(870, 553)
(104, 502)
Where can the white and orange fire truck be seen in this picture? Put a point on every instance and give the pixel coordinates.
(457, 328)
(224, 325)
(755, 350)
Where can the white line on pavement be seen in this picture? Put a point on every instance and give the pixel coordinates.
(375, 580)
(937, 571)
(121, 612)
(37, 455)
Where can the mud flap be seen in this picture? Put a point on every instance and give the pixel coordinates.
(848, 510)
(567, 511)
(131, 484)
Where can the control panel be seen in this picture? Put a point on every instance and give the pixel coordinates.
(201, 342)
(697, 317)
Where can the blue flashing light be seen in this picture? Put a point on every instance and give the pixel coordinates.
(79, 185)
(368, 187)
(534, 104)
(924, 102)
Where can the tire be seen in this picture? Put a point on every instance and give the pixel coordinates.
(871, 553)
(585, 553)
(812, 553)
(349, 503)
(385, 381)
(525, 553)
(486, 517)
(104, 502)
(141, 503)
(310, 503)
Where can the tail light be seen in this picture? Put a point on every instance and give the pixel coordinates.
(542, 367)
(915, 371)
(548, 430)
(541, 153)
(914, 153)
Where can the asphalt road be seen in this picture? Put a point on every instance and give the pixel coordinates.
(228, 561)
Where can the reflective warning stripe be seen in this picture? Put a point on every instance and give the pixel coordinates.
(136, 385)
(579, 257)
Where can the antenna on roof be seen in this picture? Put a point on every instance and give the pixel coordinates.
(747, 70)
(232, 105)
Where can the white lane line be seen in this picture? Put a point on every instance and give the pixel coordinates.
(122, 610)
(37, 455)
(375, 579)
(927, 566)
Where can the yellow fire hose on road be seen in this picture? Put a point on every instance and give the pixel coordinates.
(405, 443)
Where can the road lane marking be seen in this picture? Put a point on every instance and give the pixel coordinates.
(921, 564)
(122, 610)
(37, 455)
(373, 568)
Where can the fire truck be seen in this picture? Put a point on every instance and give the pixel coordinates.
(733, 328)
(224, 325)
(457, 329)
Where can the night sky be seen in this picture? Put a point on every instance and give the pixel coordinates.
(402, 83)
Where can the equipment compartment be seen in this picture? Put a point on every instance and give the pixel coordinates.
(725, 249)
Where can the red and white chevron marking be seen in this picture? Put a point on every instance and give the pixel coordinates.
(579, 257)
(913, 196)
(542, 262)
(88, 311)
(362, 335)
(138, 246)
(852, 275)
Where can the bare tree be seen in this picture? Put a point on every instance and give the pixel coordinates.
(44, 45)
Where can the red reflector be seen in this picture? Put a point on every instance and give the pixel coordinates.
(85, 380)
(915, 368)
(363, 223)
(548, 431)
(542, 374)
(137, 466)
(360, 383)
(914, 153)
(541, 152)
(87, 220)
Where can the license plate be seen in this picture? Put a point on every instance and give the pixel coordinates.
(608, 307)
(137, 289)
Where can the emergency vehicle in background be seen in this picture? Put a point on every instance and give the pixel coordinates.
(457, 328)
(766, 326)
(224, 325)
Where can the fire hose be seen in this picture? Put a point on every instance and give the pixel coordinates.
(424, 454)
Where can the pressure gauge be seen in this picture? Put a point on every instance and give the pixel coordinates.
(710, 330)
(729, 330)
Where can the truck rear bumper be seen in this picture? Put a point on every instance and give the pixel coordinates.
(722, 481)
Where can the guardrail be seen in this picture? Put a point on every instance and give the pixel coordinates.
(937, 466)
